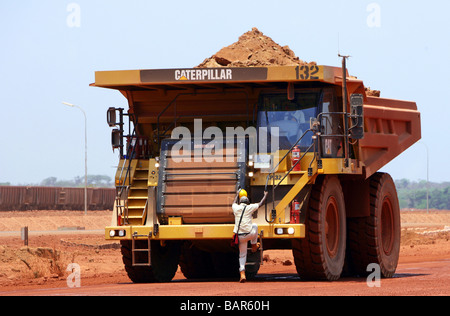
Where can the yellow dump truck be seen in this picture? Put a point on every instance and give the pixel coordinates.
(309, 135)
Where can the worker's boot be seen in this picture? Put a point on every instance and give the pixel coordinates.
(255, 247)
(243, 278)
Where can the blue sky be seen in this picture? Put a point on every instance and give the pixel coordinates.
(44, 61)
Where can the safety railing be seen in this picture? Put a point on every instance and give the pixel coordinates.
(316, 127)
(274, 169)
(122, 187)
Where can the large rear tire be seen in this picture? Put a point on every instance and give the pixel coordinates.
(226, 265)
(376, 238)
(253, 264)
(195, 263)
(164, 261)
(136, 274)
(321, 254)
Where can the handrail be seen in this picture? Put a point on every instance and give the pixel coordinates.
(290, 170)
(345, 136)
(133, 151)
(317, 136)
(272, 172)
(122, 186)
(144, 211)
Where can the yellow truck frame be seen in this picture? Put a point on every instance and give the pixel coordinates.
(339, 195)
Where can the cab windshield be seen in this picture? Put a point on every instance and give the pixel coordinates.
(291, 117)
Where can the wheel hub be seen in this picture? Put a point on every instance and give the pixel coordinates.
(332, 227)
(387, 226)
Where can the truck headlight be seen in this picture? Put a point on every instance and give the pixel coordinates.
(284, 231)
(279, 231)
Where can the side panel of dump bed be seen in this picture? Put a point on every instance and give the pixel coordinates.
(390, 127)
(198, 182)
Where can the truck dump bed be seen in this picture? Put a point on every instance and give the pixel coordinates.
(391, 126)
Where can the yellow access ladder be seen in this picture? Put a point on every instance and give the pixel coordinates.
(132, 201)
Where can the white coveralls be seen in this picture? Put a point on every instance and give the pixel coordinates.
(247, 230)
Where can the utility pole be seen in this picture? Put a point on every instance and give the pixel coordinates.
(85, 153)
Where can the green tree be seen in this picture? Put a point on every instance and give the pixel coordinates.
(49, 182)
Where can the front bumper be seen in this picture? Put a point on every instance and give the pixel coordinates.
(200, 232)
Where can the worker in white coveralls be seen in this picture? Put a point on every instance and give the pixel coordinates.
(246, 230)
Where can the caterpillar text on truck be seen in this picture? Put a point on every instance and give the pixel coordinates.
(317, 146)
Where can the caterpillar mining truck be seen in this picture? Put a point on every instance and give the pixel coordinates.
(176, 178)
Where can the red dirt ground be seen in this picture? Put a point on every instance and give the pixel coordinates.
(40, 268)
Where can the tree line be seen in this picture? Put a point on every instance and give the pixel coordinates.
(413, 194)
(95, 181)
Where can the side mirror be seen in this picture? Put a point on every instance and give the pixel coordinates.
(357, 116)
(111, 117)
(116, 139)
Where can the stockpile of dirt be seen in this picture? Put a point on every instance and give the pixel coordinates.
(253, 49)
(372, 93)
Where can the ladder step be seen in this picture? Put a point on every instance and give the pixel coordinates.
(133, 217)
(298, 172)
(137, 192)
(141, 250)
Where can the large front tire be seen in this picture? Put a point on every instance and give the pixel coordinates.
(321, 254)
(164, 261)
(376, 238)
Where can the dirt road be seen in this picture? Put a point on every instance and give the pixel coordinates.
(40, 269)
(415, 278)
